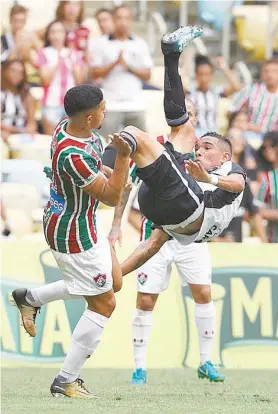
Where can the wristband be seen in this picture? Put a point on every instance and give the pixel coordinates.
(213, 179)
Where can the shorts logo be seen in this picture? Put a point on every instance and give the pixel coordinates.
(142, 277)
(100, 280)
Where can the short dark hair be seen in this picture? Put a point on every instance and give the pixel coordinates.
(272, 137)
(82, 98)
(221, 138)
(202, 60)
(103, 10)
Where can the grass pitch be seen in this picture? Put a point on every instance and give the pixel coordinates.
(26, 390)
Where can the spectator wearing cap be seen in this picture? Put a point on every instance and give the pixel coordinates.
(268, 194)
(17, 104)
(205, 96)
(17, 43)
(260, 100)
(123, 61)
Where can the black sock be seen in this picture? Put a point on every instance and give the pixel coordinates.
(174, 99)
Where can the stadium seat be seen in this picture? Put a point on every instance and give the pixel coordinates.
(20, 196)
(251, 24)
(28, 147)
(4, 150)
(25, 172)
(214, 12)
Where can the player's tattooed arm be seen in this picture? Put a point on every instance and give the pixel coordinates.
(115, 233)
(109, 191)
(145, 251)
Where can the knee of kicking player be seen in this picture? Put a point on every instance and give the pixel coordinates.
(201, 293)
(146, 301)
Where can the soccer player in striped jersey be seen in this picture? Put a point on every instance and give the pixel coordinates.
(82, 254)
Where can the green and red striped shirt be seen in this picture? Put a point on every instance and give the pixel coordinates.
(69, 216)
(261, 106)
(268, 194)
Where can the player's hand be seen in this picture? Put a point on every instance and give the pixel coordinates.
(121, 146)
(197, 171)
(115, 235)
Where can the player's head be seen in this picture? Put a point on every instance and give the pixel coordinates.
(212, 150)
(191, 110)
(84, 104)
(203, 71)
(270, 73)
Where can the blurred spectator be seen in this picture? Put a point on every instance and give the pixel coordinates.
(268, 195)
(123, 62)
(243, 153)
(17, 43)
(105, 21)
(266, 155)
(6, 230)
(261, 100)
(17, 104)
(206, 97)
(71, 14)
(60, 69)
(248, 210)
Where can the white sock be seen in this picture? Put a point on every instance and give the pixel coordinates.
(205, 321)
(85, 339)
(141, 328)
(48, 293)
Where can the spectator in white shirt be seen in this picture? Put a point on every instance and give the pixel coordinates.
(105, 21)
(123, 61)
(60, 69)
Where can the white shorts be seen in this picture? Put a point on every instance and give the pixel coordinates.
(192, 262)
(87, 273)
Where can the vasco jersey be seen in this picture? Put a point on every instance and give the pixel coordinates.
(69, 216)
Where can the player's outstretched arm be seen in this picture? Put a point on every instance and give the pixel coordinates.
(144, 251)
(233, 183)
(109, 191)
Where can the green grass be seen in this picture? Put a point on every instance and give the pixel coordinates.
(26, 390)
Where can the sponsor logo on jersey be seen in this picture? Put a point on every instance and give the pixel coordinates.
(57, 202)
(100, 279)
(142, 277)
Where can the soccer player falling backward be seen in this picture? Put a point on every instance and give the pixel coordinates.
(82, 254)
(173, 200)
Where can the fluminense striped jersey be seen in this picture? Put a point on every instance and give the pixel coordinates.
(268, 195)
(69, 216)
(261, 106)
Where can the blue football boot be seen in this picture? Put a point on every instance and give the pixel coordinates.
(208, 370)
(139, 377)
(179, 39)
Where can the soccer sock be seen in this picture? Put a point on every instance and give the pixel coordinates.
(85, 339)
(141, 328)
(48, 293)
(205, 321)
(174, 99)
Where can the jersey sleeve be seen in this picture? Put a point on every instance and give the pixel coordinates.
(237, 169)
(81, 168)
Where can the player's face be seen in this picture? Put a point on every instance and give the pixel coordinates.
(270, 74)
(123, 21)
(204, 75)
(209, 152)
(97, 117)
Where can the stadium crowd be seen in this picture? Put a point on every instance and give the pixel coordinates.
(37, 68)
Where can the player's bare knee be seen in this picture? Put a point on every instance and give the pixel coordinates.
(201, 294)
(146, 301)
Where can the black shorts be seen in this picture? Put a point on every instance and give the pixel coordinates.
(168, 195)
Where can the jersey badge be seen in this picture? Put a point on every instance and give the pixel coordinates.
(100, 280)
(142, 277)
